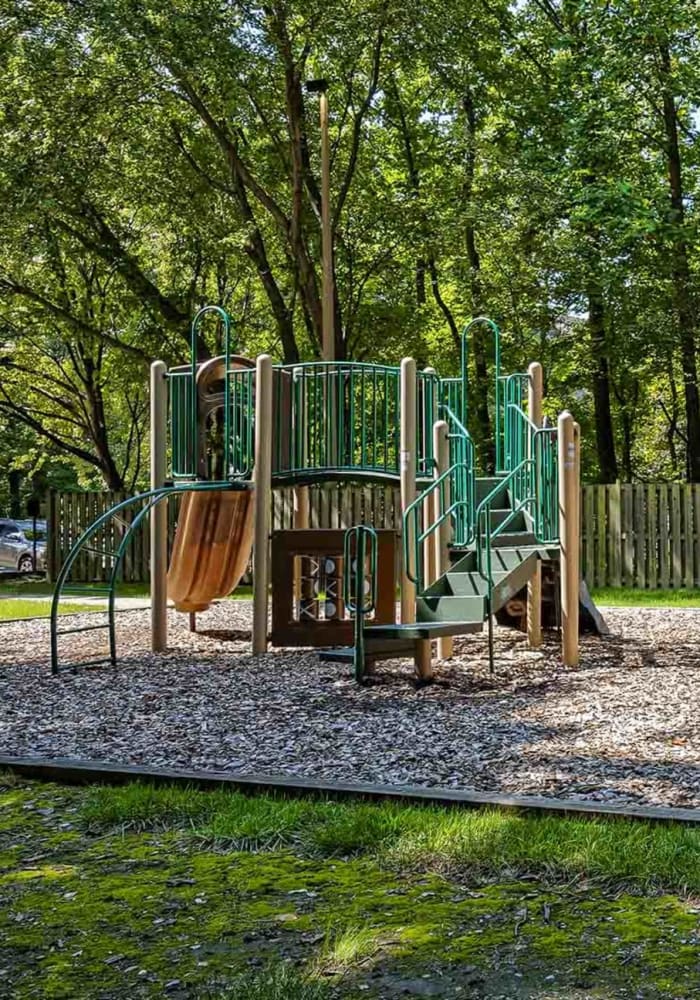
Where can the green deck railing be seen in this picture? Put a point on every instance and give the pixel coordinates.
(184, 411)
(336, 418)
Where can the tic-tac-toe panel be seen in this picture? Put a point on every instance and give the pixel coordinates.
(308, 607)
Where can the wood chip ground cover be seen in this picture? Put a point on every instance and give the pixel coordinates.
(93, 910)
(622, 728)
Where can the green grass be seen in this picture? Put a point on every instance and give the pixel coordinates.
(145, 892)
(14, 609)
(629, 597)
(503, 844)
(277, 982)
(41, 588)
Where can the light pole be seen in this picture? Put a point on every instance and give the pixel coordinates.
(320, 87)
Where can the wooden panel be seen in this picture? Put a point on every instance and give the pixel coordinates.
(652, 539)
(627, 517)
(287, 630)
(601, 556)
(589, 534)
(640, 554)
(676, 537)
(614, 535)
(664, 539)
(688, 536)
(696, 527)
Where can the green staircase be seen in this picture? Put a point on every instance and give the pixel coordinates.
(464, 598)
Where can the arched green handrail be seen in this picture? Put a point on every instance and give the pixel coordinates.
(497, 379)
(194, 361)
(152, 497)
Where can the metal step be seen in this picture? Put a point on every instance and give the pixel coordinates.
(484, 485)
(510, 583)
(421, 630)
(501, 514)
(510, 539)
(434, 610)
(391, 649)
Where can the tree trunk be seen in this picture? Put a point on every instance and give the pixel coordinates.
(15, 483)
(481, 388)
(605, 441)
(686, 315)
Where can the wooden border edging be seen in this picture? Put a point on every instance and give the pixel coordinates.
(81, 772)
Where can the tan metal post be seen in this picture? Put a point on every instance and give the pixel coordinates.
(408, 477)
(159, 513)
(430, 506)
(568, 538)
(326, 234)
(443, 536)
(534, 587)
(263, 499)
(423, 654)
(577, 442)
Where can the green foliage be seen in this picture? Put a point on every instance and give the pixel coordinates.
(514, 159)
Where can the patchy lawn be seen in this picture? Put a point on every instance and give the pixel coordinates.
(14, 609)
(142, 892)
(633, 597)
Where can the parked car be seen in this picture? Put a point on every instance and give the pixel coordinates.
(17, 545)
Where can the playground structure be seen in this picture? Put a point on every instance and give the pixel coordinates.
(227, 431)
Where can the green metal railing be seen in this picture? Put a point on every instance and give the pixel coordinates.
(359, 548)
(530, 453)
(184, 411)
(440, 490)
(428, 401)
(183, 445)
(462, 456)
(451, 395)
(241, 422)
(148, 499)
(336, 417)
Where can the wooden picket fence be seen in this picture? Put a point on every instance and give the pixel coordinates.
(644, 535)
(71, 513)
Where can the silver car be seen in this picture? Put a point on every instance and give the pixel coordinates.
(18, 545)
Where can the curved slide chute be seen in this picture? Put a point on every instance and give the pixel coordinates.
(212, 546)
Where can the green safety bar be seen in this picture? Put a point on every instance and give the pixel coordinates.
(413, 561)
(183, 401)
(462, 453)
(241, 388)
(464, 361)
(364, 540)
(151, 498)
